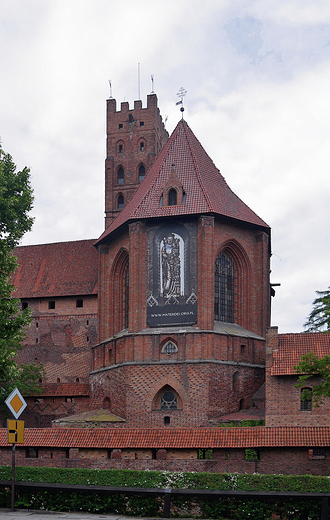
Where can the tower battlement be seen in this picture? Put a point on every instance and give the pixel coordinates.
(134, 138)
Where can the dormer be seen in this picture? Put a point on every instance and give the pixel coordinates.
(173, 193)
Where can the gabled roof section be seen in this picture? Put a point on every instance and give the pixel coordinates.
(205, 189)
(173, 438)
(59, 269)
(292, 346)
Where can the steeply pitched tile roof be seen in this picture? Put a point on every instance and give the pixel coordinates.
(292, 346)
(172, 438)
(206, 191)
(60, 269)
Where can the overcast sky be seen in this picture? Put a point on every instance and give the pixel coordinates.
(257, 73)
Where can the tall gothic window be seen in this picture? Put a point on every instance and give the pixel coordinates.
(120, 278)
(306, 399)
(142, 172)
(172, 197)
(120, 175)
(224, 288)
(125, 292)
(120, 201)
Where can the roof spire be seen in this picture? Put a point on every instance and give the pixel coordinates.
(182, 92)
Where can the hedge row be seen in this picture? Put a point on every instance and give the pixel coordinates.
(224, 508)
(167, 479)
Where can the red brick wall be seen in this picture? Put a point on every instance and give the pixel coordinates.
(286, 461)
(250, 250)
(152, 133)
(283, 399)
(205, 389)
(60, 339)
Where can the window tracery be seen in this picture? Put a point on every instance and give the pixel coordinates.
(168, 400)
(169, 348)
(224, 288)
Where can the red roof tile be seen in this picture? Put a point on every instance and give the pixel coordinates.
(292, 346)
(171, 438)
(60, 269)
(206, 191)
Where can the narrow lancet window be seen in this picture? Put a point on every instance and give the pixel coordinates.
(224, 288)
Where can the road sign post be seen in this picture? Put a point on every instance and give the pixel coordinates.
(15, 431)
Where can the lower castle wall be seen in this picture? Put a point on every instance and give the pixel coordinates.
(286, 461)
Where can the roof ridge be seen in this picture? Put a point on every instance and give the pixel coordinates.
(197, 169)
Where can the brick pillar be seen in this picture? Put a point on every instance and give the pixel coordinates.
(205, 270)
(261, 306)
(271, 391)
(137, 277)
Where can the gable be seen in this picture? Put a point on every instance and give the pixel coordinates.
(205, 189)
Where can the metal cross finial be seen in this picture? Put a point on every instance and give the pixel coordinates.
(182, 92)
(152, 84)
(110, 88)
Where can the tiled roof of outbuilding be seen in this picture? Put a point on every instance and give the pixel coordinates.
(173, 438)
(292, 346)
(59, 269)
(206, 191)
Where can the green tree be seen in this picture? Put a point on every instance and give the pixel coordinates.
(16, 200)
(319, 318)
(310, 366)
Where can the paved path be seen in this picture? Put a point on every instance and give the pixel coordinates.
(24, 514)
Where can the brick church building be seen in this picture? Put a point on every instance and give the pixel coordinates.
(162, 322)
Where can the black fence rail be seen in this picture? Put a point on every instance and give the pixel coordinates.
(168, 493)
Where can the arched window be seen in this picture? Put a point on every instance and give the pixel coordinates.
(306, 399)
(125, 292)
(106, 403)
(169, 400)
(172, 197)
(120, 147)
(142, 172)
(224, 294)
(169, 348)
(120, 175)
(120, 296)
(120, 202)
(142, 146)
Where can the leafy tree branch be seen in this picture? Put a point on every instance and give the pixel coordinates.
(16, 200)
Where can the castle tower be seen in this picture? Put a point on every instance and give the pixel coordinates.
(134, 138)
(184, 296)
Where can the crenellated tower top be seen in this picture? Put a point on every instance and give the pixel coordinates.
(134, 139)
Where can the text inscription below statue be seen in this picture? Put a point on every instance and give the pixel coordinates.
(172, 296)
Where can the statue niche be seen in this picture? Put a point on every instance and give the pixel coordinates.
(171, 297)
(171, 265)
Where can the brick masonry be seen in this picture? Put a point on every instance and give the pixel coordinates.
(93, 359)
(286, 461)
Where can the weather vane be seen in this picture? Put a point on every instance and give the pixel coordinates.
(110, 88)
(152, 83)
(182, 92)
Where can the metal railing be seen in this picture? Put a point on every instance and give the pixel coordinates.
(323, 498)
